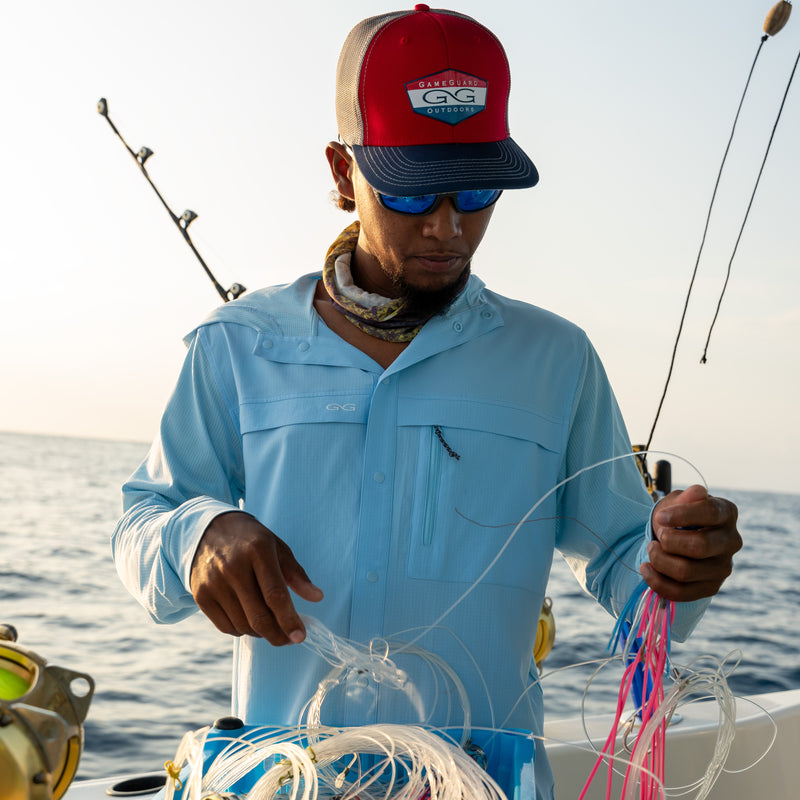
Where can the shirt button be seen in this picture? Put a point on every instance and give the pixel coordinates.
(486, 314)
(303, 346)
(267, 344)
(458, 327)
(379, 477)
(372, 577)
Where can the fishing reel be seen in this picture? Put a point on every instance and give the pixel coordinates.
(545, 634)
(659, 484)
(42, 709)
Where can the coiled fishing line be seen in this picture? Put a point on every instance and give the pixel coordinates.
(348, 657)
(243, 755)
(689, 682)
(693, 683)
(409, 763)
(450, 672)
(190, 753)
(341, 652)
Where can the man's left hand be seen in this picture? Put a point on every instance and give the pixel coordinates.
(695, 539)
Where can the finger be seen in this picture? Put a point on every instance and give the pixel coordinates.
(689, 570)
(694, 544)
(295, 576)
(263, 622)
(216, 588)
(248, 611)
(224, 621)
(707, 543)
(676, 591)
(703, 513)
(275, 614)
(693, 494)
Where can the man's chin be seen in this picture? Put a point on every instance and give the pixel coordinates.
(427, 301)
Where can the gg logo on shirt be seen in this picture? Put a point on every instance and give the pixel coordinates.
(340, 407)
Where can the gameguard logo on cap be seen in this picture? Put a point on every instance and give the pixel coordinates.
(449, 96)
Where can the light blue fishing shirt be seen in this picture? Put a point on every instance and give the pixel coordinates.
(275, 414)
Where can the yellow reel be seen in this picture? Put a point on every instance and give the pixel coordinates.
(42, 709)
(545, 633)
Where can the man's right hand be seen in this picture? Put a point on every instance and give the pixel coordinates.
(241, 576)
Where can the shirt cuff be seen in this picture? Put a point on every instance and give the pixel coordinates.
(186, 528)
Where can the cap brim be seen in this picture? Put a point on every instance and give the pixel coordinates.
(437, 168)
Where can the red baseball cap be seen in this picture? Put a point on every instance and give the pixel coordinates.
(422, 101)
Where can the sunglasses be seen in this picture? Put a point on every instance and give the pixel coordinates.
(466, 201)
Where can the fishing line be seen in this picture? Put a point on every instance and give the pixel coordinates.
(694, 684)
(583, 525)
(467, 653)
(546, 675)
(702, 244)
(772, 740)
(241, 756)
(409, 763)
(776, 18)
(348, 658)
(690, 681)
(190, 753)
(343, 653)
(527, 516)
(651, 623)
(340, 652)
(749, 206)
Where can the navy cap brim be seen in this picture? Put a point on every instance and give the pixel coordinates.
(437, 168)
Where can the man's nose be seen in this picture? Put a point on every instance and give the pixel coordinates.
(444, 222)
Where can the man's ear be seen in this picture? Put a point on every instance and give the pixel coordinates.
(339, 161)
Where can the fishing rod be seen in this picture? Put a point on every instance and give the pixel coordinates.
(183, 221)
(776, 19)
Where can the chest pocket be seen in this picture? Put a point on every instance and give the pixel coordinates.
(480, 468)
(295, 445)
(304, 409)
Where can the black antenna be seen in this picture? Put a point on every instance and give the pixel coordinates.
(184, 221)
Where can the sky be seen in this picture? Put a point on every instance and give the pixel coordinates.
(624, 107)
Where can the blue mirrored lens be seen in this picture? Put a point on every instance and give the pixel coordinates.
(413, 204)
(476, 199)
(466, 201)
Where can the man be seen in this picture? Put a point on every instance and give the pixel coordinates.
(384, 425)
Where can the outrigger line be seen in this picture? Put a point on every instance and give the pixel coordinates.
(776, 19)
(184, 221)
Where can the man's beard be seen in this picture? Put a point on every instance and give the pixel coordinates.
(426, 303)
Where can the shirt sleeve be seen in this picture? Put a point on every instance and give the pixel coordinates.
(605, 510)
(192, 474)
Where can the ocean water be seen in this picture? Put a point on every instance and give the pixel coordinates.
(59, 500)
